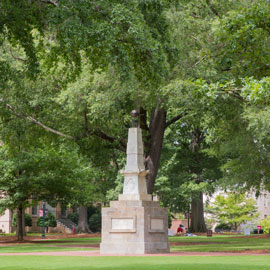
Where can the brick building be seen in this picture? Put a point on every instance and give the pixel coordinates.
(60, 213)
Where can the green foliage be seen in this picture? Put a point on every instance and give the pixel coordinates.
(242, 40)
(209, 222)
(91, 63)
(112, 194)
(169, 219)
(47, 172)
(74, 217)
(95, 222)
(223, 227)
(94, 218)
(50, 221)
(188, 167)
(233, 209)
(27, 220)
(91, 210)
(241, 135)
(132, 36)
(265, 223)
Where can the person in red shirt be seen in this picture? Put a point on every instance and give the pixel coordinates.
(180, 229)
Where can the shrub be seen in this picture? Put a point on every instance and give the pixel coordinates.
(265, 223)
(50, 221)
(169, 219)
(95, 222)
(27, 219)
(74, 217)
(223, 227)
(92, 210)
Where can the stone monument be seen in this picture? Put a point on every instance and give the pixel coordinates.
(134, 224)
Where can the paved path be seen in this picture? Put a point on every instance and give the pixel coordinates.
(92, 253)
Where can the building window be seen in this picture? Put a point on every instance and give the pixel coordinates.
(63, 211)
(35, 210)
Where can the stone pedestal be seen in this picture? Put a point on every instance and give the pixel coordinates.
(134, 224)
(134, 227)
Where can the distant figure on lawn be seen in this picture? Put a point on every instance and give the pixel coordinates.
(180, 229)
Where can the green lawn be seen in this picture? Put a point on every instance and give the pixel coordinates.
(38, 248)
(219, 243)
(135, 263)
(77, 241)
(202, 243)
(199, 244)
(65, 244)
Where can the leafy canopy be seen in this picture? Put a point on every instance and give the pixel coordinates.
(233, 209)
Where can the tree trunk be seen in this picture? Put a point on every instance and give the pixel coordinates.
(10, 221)
(197, 217)
(23, 222)
(20, 223)
(154, 145)
(83, 222)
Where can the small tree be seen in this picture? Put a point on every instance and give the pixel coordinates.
(266, 225)
(50, 221)
(233, 209)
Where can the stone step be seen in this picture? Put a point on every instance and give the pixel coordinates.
(67, 223)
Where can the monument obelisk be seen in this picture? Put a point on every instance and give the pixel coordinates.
(134, 224)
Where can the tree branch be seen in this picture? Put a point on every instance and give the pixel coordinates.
(110, 139)
(49, 129)
(85, 122)
(54, 3)
(198, 62)
(15, 57)
(213, 9)
(174, 119)
(99, 133)
(36, 122)
(104, 136)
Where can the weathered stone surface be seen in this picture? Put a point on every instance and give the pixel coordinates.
(135, 197)
(122, 224)
(149, 233)
(134, 173)
(134, 224)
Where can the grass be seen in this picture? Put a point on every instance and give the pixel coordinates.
(66, 244)
(135, 263)
(190, 244)
(37, 248)
(219, 243)
(77, 241)
(200, 243)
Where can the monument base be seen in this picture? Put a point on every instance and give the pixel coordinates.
(134, 227)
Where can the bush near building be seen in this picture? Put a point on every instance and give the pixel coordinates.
(50, 221)
(27, 220)
(265, 223)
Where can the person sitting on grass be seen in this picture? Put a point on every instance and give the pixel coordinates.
(180, 229)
